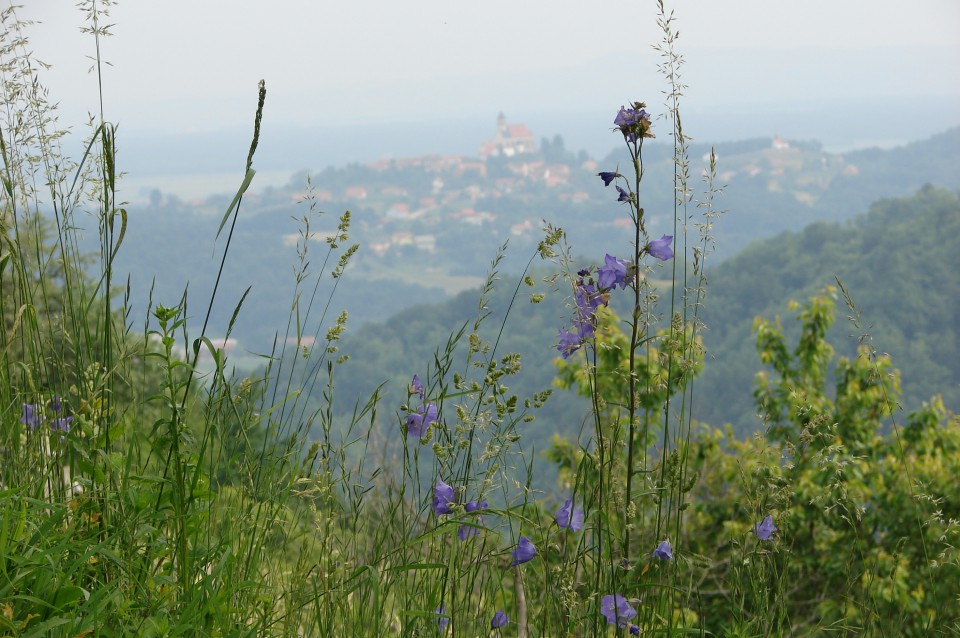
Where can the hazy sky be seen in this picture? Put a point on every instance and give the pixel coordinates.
(193, 65)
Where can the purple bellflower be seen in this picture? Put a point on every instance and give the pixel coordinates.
(607, 177)
(419, 421)
(443, 498)
(416, 387)
(660, 248)
(588, 299)
(569, 517)
(616, 610)
(613, 273)
(624, 195)
(62, 424)
(625, 120)
(466, 531)
(31, 417)
(663, 551)
(442, 619)
(56, 403)
(500, 619)
(765, 528)
(586, 326)
(634, 630)
(569, 343)
(523, 552)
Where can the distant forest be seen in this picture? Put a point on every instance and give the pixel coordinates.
(900, 273)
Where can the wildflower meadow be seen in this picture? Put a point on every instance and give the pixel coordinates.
(142, 494)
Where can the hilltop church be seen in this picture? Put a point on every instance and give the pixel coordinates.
(510, 140)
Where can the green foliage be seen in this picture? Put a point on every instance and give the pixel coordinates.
(607, 374)
(662, 373)
(866, 511)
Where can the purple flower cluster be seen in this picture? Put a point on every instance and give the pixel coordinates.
(634, 122)
(419, 420)
(590, 295)
(662, 248)
(32, 417)
(445, 496)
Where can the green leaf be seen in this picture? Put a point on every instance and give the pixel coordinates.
(236, 199)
